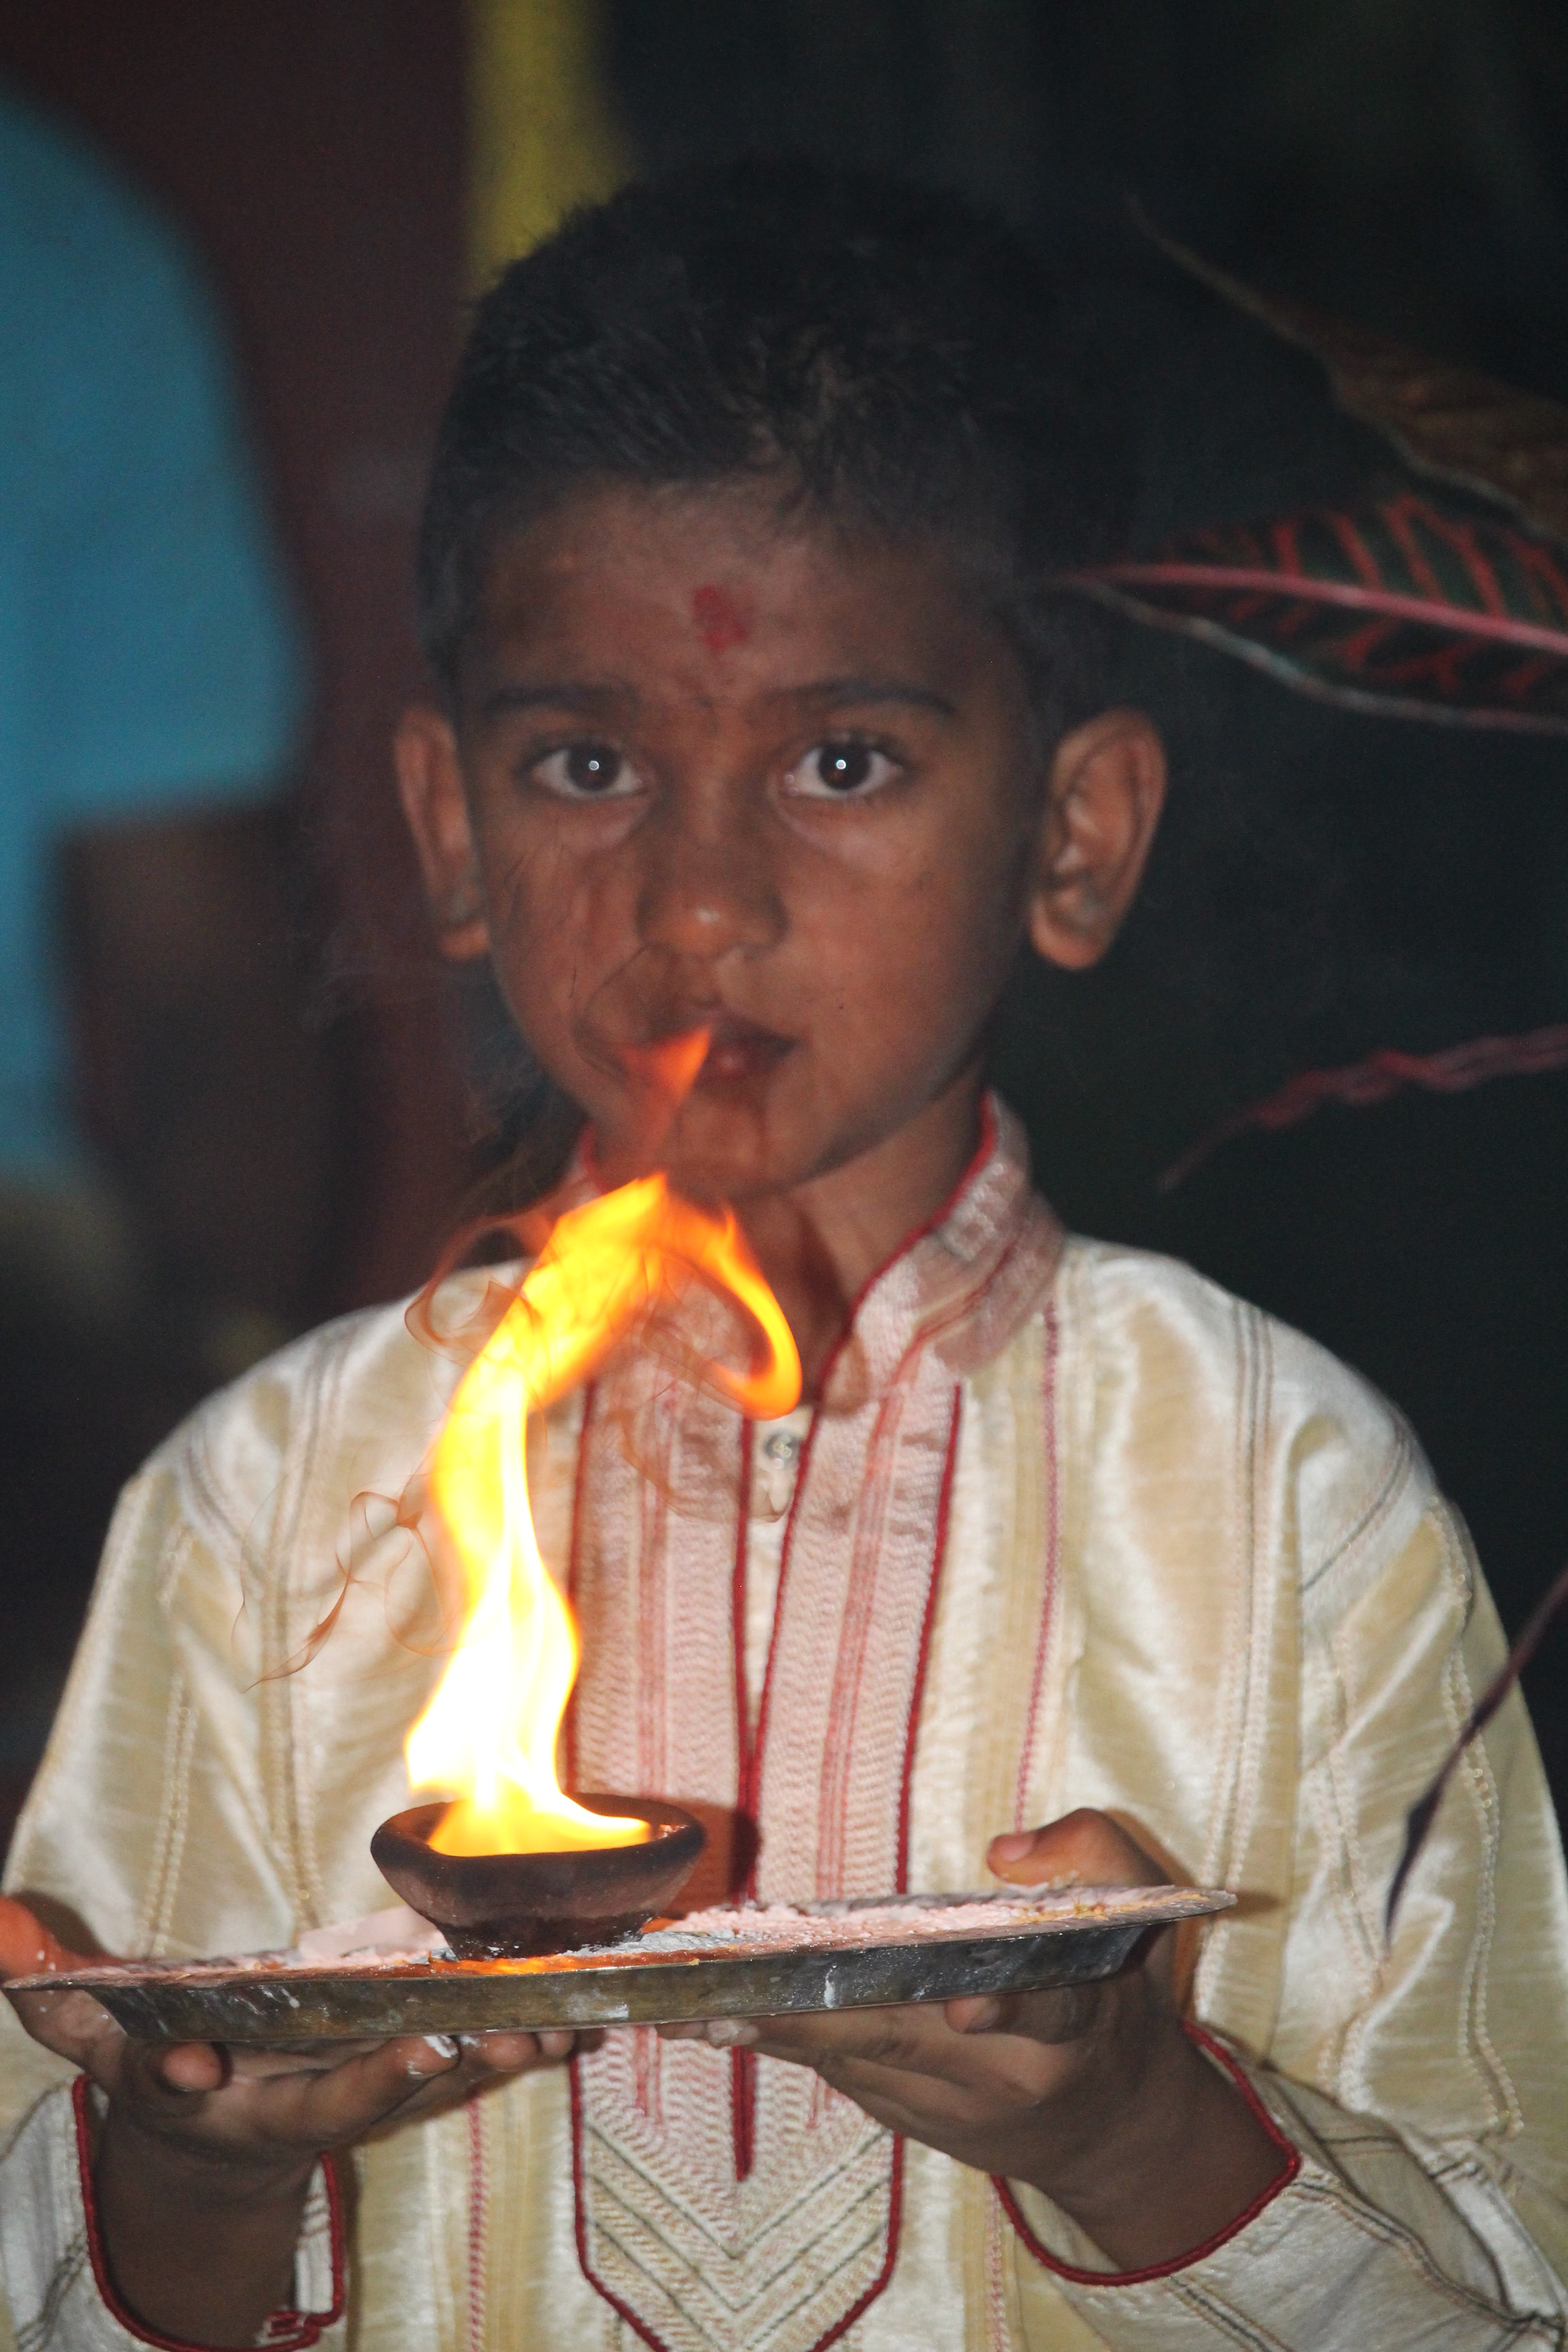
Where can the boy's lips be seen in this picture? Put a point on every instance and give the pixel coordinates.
(740, 1049)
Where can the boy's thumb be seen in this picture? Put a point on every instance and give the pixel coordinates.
(1083, 1849)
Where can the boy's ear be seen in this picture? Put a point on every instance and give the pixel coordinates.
(430, 785)
(1103, 800)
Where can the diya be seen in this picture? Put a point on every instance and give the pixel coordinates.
(516, 1906)
(509, 1865)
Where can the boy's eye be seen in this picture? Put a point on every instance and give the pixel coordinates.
(844, 770)
(585, 771)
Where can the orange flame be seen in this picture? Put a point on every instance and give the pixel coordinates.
(489, 1735)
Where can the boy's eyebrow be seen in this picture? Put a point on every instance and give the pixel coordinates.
(840, 693)
(822, 693)
(555, 695)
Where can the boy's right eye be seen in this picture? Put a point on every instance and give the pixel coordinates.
(585, 771)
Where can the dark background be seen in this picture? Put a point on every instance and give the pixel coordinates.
(1326, 883)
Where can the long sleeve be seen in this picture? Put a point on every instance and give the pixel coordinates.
(136, 1737)
(1422, 2089)
(166, 1816)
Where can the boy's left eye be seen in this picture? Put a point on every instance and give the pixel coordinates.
(585, 771)
(841, 771)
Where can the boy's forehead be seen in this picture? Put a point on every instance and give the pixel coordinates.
(719, 583)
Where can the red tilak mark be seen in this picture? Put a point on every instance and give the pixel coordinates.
(722, 618)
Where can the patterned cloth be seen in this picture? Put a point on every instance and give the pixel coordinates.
(1070, 1527)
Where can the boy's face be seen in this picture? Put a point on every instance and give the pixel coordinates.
(710, 770)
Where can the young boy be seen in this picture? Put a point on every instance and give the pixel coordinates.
(756, 716)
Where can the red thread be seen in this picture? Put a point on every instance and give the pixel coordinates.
(1264, 2196)
(1047, 1609)
(832, 1822)
(750, 1788)
(743, 2110)
(743, 2063)
(738, 1624)
(477, 2199)
(1451, 1071)
(922, 1656)
(299, 2329)
(724, 617)
(895, 2216)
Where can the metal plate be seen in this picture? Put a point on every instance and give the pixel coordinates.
(272, 1998)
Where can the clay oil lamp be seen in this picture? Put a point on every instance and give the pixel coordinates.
(504, 1862)
(515, 1905)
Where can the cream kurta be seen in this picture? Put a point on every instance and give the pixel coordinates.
(1192, 1570)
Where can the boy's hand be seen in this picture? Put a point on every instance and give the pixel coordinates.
(1092, 2094)
(205, 2153)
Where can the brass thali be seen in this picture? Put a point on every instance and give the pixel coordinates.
(845, 1955)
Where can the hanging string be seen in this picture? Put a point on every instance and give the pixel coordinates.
(1422, 1815)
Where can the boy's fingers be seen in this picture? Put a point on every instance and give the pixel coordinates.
(382, 2082)
(340, 2103)
(254, 2061)
(270, 2109)
(1060, 2015)
(78, 2027)
(911, 2038)
(913, 2059)
(197, 2092)
(189, 2067)
(908, 2037)
(960, 2044)
(719, 2033)
(503, 2053)
(71, 2024)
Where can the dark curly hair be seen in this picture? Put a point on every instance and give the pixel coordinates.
(885, 355)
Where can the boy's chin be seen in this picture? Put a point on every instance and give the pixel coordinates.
(723, 1144)
(702, 1157)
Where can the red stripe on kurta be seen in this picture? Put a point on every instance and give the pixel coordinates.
(283, 2331)
(1282, 2179)
(479, 2202)
(1049, 1599)
(939, 1553)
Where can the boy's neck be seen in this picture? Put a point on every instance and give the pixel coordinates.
(821, 1242)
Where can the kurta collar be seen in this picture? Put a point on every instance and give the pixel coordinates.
(962, 1285)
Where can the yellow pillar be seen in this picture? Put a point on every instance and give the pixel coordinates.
(542, 134)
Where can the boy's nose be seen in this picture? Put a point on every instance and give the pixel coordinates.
(709, 888)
